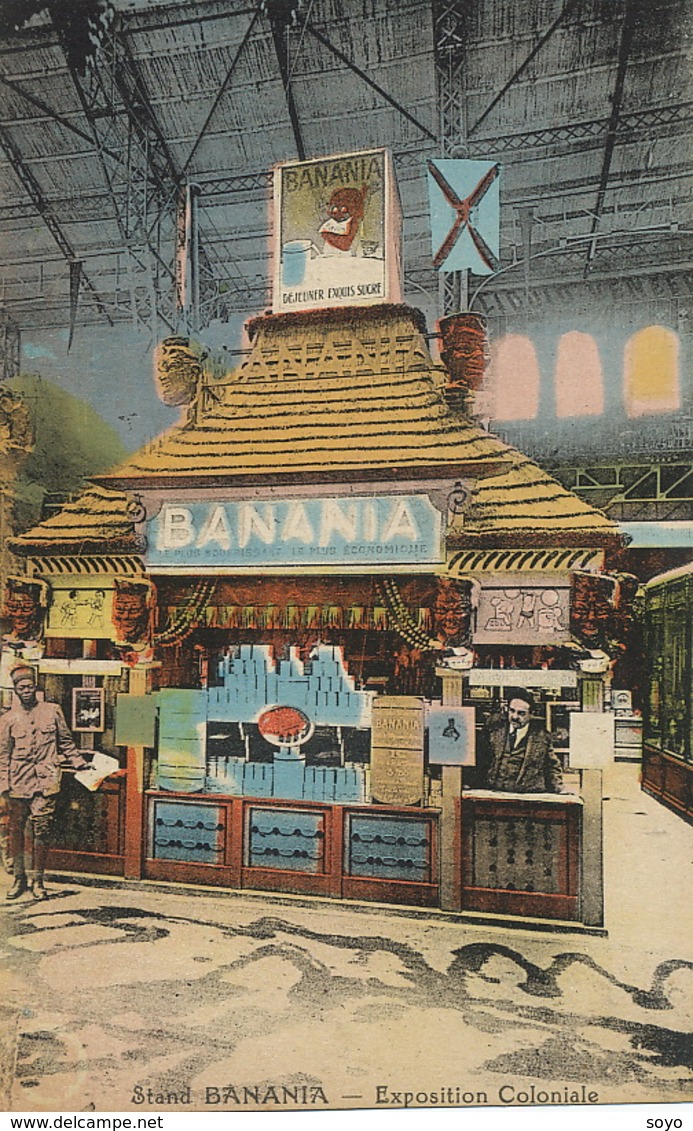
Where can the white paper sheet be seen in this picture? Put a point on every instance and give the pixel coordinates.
(101, 766)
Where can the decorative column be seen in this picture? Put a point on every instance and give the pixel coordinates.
(134, 791)
(451, 810)
(592, 700)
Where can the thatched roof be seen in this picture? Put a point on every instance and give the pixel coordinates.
(336, 393)
(335, 396)
(96, 522)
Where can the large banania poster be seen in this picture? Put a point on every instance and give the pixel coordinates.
(336, 232)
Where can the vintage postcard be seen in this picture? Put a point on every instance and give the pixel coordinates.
(347, 557)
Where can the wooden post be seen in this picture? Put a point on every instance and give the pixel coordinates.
(592, 699)
(337, 830)
(89, 652)
(451, 810)
(134, 792)
(592, 849)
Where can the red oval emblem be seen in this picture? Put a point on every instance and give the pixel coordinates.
(285, 726)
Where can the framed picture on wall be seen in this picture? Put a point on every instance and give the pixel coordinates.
(558, 723)
(88, 709)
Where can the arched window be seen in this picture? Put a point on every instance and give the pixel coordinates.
(513, 379)
(578, 379)
(651, 372)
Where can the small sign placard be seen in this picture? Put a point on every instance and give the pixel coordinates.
(622, 700)
(524, 613)
(83, 612)
(397, 750)
(88, 709)
(591, 740)
(135, 723)
(522, 677)
(354, 530)
(451, 736)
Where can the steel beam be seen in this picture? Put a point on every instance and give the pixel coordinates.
(572, 4)
(49, 111)
(630, 127)
(625, 42)
(137, 169)
(405, 160)
(371, 82)
(33, 189)
(628, 492)
(142, 20)
(280, 15)
(450, 31)
(222, 90)
(170, 180)
(450, 20)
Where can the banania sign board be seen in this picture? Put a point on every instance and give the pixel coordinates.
(375, 530)
(337, 232)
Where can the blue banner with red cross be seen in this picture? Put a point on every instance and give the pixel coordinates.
(464, 201)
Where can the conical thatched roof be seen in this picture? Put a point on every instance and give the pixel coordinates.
(336, 396)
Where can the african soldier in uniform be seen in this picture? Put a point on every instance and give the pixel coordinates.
(34, 743)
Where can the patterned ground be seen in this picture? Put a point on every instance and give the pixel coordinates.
(107, 991)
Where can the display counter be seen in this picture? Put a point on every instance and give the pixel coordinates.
(89, 831)
(669, 779)
(516, 854)
(520, 853)
(387, 854)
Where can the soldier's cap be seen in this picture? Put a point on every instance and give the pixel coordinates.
(22, 671)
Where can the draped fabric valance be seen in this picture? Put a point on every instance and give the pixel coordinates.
(296, 617)
(427, 613)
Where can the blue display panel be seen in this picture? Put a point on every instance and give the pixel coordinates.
(286, 839)
(251, 680)
(195, 833)
(182, 740)
(209, 740)
(389, 848)
(235, 777)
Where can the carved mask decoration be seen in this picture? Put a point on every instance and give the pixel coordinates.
(592, 607)
(177, 371)
(24, 608)
(452, 612)
(133, 601)
(465, 351)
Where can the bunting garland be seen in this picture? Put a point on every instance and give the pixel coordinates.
(188, 617)
(402, 619)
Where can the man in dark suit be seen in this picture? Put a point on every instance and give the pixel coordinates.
(516, 754)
